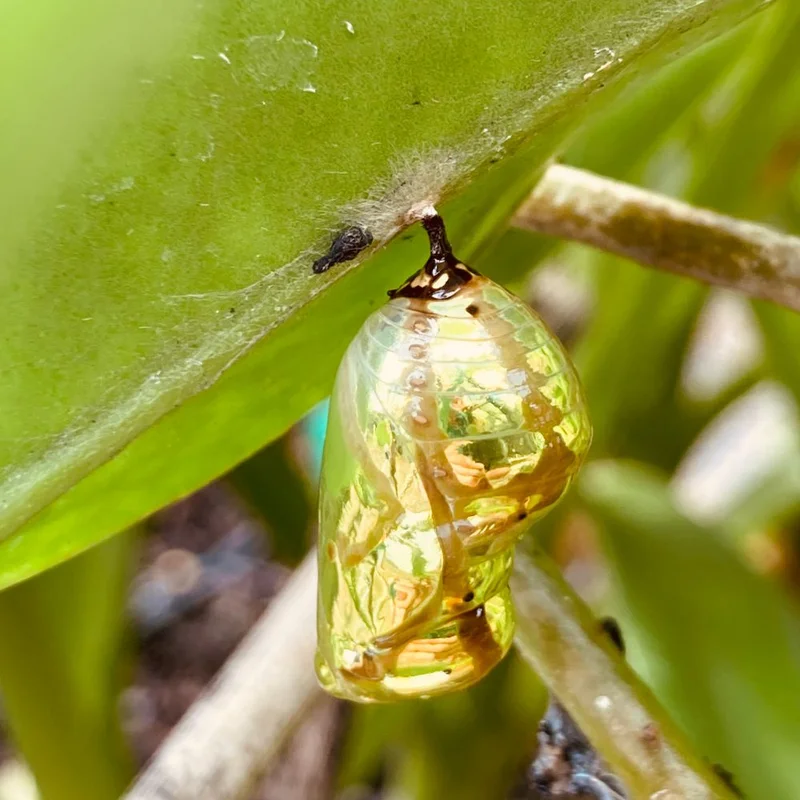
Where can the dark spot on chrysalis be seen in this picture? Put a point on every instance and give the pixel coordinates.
(447, 671)
(468, 597)
(472, 310)
(522, 515)
(345, 247)
(611, 628)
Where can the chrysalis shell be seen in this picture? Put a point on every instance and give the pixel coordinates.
(456, 420)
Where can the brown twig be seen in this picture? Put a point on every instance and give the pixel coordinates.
(664, 233)
(583, 668)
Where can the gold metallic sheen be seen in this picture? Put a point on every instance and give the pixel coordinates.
(453, 425)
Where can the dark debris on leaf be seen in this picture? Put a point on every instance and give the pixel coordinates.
(348, 243)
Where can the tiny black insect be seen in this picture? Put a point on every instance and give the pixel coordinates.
(611, 627)
(727, 778)
(348, 243)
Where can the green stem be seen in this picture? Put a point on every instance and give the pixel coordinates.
(560, 639)
(61, 637)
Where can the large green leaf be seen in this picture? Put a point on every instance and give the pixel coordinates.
(175, 224)
(719, 645)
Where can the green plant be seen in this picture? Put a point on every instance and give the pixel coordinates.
(170, 176)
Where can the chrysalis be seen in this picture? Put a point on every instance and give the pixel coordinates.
(456, 420)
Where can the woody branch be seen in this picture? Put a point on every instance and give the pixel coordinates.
(667, 234)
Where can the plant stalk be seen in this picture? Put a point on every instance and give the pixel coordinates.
(572, 654)
(667, 234)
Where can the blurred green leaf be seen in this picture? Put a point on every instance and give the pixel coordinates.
(631, 356)
(272, 486)
(633, 350)
(665, 133)
(475, 744)
(375, 734)
(60, 673)
(720, 644)
(510, 260)
(747, 114)
(773, 501)
(781, 329)
(161, 244)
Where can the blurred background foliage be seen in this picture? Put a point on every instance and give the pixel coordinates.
(685, 525)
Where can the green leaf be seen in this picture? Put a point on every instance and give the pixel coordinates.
(747, 114)
(273, 488)
(60, 673)
(175, 226)
(473, 745)
(631, 356)
(512, 257)
(772, 502)
(781, 330)
(719, 645)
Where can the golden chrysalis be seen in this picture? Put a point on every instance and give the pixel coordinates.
(456, 420)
